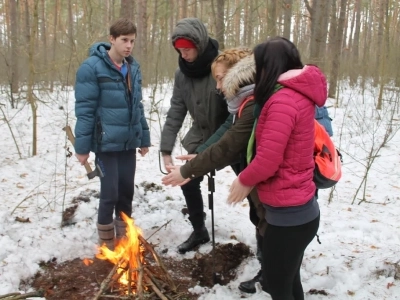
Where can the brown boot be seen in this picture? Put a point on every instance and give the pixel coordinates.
(120, 229)
(106, 235)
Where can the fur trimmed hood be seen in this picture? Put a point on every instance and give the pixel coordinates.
(241, 74)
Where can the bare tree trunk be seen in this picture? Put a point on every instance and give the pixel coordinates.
(356, 39)
(250, 25)
(71, 27)
(333, 78)
(245, 21)
(333, 29)
(319, 13)
(127, 9)
(271, 18)
(288, 5)
(31, 76)
(55, 30)
(237, 21)
(297, 26)
(141, 46)
(43, 36)
(384, 49)
(220, 25)
(183, 12)
(171, 16)
(27, 22)
(14, 47)
(379, 43)
(154, 27)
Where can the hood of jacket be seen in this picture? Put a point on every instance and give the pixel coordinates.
(309, 81)
(194, 30)
(240, 75)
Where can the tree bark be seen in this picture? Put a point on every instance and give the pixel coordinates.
(220, 25)
(127, 9)
(271, 18)
(288, 5)
(31, 76)
(333, 78)
(14, 47)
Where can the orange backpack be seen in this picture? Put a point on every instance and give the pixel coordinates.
(328, 160)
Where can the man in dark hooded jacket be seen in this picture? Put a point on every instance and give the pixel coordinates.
(194, 92)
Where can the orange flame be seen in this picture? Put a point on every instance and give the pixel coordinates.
(126, 251)
(87, 261)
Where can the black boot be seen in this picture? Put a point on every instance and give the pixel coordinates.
(249, 286)
(197, 237)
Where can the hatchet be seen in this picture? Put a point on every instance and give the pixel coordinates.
(89, 172)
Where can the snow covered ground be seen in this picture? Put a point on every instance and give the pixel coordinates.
(359, 257)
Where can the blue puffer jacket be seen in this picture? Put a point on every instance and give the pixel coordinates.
(322, 116)
(110, 117)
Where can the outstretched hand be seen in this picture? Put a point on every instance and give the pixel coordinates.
(174, 177)
(186, 157)
(238, 192)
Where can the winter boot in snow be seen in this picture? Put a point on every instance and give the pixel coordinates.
(249, 286)
(198, 237)
(120, 229)
(106, 235)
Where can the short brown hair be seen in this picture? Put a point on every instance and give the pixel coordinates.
(122, 26)
(230, 57)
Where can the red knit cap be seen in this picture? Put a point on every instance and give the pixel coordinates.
(184, 43)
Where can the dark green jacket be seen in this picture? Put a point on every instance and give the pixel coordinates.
(226, 150)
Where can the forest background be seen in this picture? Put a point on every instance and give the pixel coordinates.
(42, 43)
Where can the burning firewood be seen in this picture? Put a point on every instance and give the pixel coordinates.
(136, 274)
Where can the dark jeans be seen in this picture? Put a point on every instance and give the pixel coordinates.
(282, 251)
(117, 185)
(194, 201)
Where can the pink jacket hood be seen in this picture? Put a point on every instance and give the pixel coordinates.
(308, 81)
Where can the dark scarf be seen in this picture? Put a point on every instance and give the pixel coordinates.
(202, 65)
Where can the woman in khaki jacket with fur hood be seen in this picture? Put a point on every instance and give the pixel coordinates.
(234, 71)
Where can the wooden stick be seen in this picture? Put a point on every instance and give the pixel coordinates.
(139, 281)
(106, 282)
(17, 296)
(9, 295)
(159, 262)
(153, 279)
(155, 289)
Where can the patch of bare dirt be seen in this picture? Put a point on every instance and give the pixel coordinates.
(73, 280)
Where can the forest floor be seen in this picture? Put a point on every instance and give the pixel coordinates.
(73, 280)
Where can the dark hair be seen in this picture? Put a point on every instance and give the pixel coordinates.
(122, 26)
(274, 57)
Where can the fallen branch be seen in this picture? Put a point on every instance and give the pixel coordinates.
(17, 296)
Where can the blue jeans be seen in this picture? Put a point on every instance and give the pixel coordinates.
(117, 185)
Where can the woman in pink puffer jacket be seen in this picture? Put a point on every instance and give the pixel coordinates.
(281, 162)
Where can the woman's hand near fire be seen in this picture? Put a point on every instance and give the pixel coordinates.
(174, 177)
(238, 192)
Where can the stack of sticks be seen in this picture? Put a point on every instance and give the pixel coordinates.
(147, 279)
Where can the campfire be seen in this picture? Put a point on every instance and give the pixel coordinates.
(138, 271)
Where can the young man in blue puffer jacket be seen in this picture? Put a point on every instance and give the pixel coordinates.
(111, 123)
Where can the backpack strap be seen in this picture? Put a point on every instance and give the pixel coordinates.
(241, 107)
